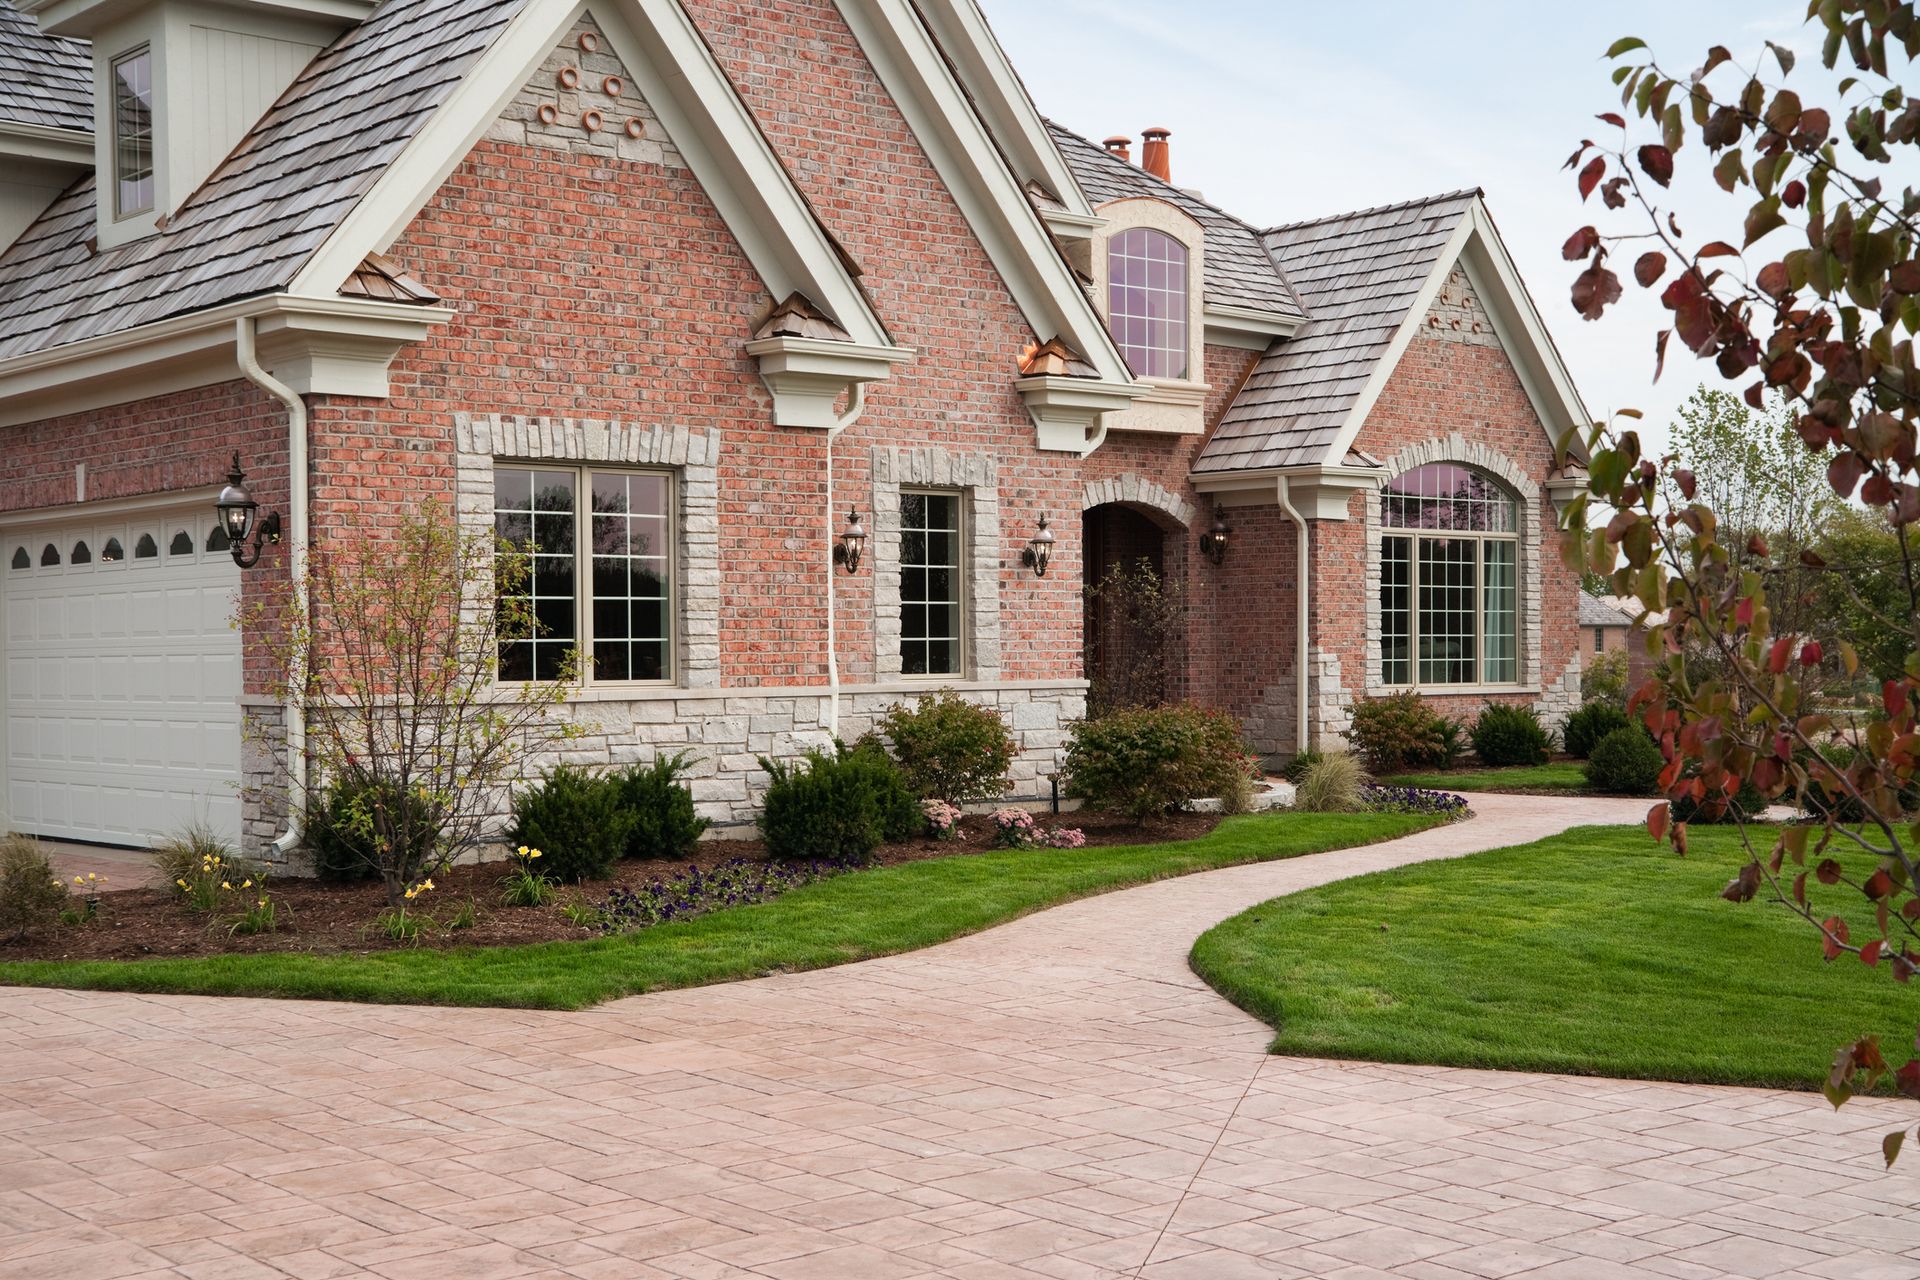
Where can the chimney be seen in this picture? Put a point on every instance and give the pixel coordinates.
(1153, 153)
(1120, 145)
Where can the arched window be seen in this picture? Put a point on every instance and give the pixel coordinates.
(1147, 301)
(146, 548)
(49, 555)
(1449, 579)
(217, 539)
(182, 544)
(81, 553)
(112, 552)
(21, 560)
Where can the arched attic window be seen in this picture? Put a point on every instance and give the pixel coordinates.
(1147, 301)
(1449, 579)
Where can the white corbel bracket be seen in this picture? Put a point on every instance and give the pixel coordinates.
(808, 376)
(1564, 486)
(1068, 412)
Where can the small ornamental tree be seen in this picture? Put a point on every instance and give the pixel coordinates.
(395, 660)
(1808, 294)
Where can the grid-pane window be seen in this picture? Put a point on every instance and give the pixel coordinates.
(1147, 301)
(1599, 640)
(1449, 579)
(618, 615)
(930, 603)
(133, 133)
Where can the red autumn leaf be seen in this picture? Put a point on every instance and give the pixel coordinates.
(1774, 281)
(1743, 612)
(1870, 954)
(1793, 194)
(1684, 480)
(1648, 268)
(1833, 936)
(1590, 175)
(1778, 655)
(1879, 885)
(1844, 473)
(1659, 818)
(1810, 654)
(1828, 872)
(1593, 290)
(1800, 888)
(1907, 1079)
(1743, 886)
(1716, 249)
(1613, 194)
(1893, 696)
(1580, 244)
(1657, 163)
(1612, 118)
(1680, 838)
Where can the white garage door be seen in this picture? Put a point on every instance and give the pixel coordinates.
(122, 677)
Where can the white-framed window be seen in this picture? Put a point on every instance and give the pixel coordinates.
(1599, 640)
(1449, 579)
(1148, 300)
(932, 596)
(616, 611)
(132, 82)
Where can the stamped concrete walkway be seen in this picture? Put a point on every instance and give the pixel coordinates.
(1059, 1098)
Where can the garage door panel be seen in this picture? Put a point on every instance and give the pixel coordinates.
(122, 686)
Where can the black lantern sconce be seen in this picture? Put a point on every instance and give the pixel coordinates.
(1213, 543)
(1039, 550)
(853, 540)
(237, 510)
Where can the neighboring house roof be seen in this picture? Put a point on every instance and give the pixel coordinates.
(264, 211)
(1240, 271)
(1359, 275)
(44, 80)
(1595, 612)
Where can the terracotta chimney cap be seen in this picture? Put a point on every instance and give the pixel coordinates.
(1156, 133)
(1153, 154)
(1120, 145)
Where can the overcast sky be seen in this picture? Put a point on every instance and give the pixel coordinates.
(1286, 110)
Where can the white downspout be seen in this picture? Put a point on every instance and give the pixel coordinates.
(856, 405)
(296, 544)
(1302, 613)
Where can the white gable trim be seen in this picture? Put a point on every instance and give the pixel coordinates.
(914, 71)
(676, 72)
(1476, 247)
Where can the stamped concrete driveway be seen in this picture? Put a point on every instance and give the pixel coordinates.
(1059, 1097)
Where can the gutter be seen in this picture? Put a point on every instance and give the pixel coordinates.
(856, 405)
(1302, 613)
(244, 343)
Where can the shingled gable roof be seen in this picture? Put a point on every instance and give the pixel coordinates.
(1240, 271)
(45, 81)
(1359, 275)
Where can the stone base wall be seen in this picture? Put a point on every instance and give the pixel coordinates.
(263, 779)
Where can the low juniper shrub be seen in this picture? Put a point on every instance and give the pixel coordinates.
(576, 819)
(697, 891)
(1507, 735)
(665, 824)
(1385, 799)
(1589, 724)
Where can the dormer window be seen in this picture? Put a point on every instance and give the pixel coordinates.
(1147, 301)
(133, 133)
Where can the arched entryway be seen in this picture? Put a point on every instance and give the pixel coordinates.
(1135, 623)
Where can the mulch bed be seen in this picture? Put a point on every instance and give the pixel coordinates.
(337, 919)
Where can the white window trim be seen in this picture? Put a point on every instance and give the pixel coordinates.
(1172, 405)
(961, 560)
(975, 477)
(1460, 451)
(1480, 541)
(121, 214)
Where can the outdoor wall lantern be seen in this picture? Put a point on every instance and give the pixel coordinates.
(853, 540)
(1213, 543)
(1039, 550)
(237, 510)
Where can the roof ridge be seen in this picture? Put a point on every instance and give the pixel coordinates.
(1134, 168)
(1436, 198)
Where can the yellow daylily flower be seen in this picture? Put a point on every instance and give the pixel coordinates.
(225, 885)
(246, 884)
(181, 883)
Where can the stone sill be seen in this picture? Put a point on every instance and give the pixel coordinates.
(1447, 690)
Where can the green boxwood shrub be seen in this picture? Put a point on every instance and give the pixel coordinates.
(1625, 762)
(950, 749)
(576, 820)
(1507, 735)
(665, 824)
(1400, 732)
(836, 808)
(1589, 724)
(1147, 761)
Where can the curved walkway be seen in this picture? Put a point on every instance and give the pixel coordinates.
(1058, 1097)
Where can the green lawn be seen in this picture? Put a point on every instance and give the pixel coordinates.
(1560, 775)
(850, 917)
(1596, 951)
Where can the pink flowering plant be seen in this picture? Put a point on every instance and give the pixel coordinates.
(1017, 829)
(943, 819)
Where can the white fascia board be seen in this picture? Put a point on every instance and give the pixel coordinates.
(323, 346)
(1003, 102)
(1517, 323)
(21, 141)
(1073, 226)
(1246, 327)
(916, 75)
(1321, 492)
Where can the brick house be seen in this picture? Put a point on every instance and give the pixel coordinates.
(708, 274)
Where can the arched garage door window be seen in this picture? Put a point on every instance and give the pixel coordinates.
(1449, 579)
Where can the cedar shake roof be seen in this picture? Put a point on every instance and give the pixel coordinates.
(44, 80)
(1240, 271)
(1054, 359)
(797, 317)
(384, 280)
(254, 223)
(1358, 274)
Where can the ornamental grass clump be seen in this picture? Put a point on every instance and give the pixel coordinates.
(949, 749)
(31, 895)
(1331, 784)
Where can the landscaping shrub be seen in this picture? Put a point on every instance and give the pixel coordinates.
(576, 820)
(31, 895)
(1604, 678)
(1589, 724)
(1019, 829)
(1331, 785)
(665, 824)
(1506, 735)
(1747, 803)
(950, 749)
(1400, 731)
(1147, 761)
(1626, 761)
(348, 834)
(837, 808)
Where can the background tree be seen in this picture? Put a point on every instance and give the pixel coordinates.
(1808, 291)
(1750, 467)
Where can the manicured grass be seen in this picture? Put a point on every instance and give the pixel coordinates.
(1595, 952)
(849, 917)
(1560, 775)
